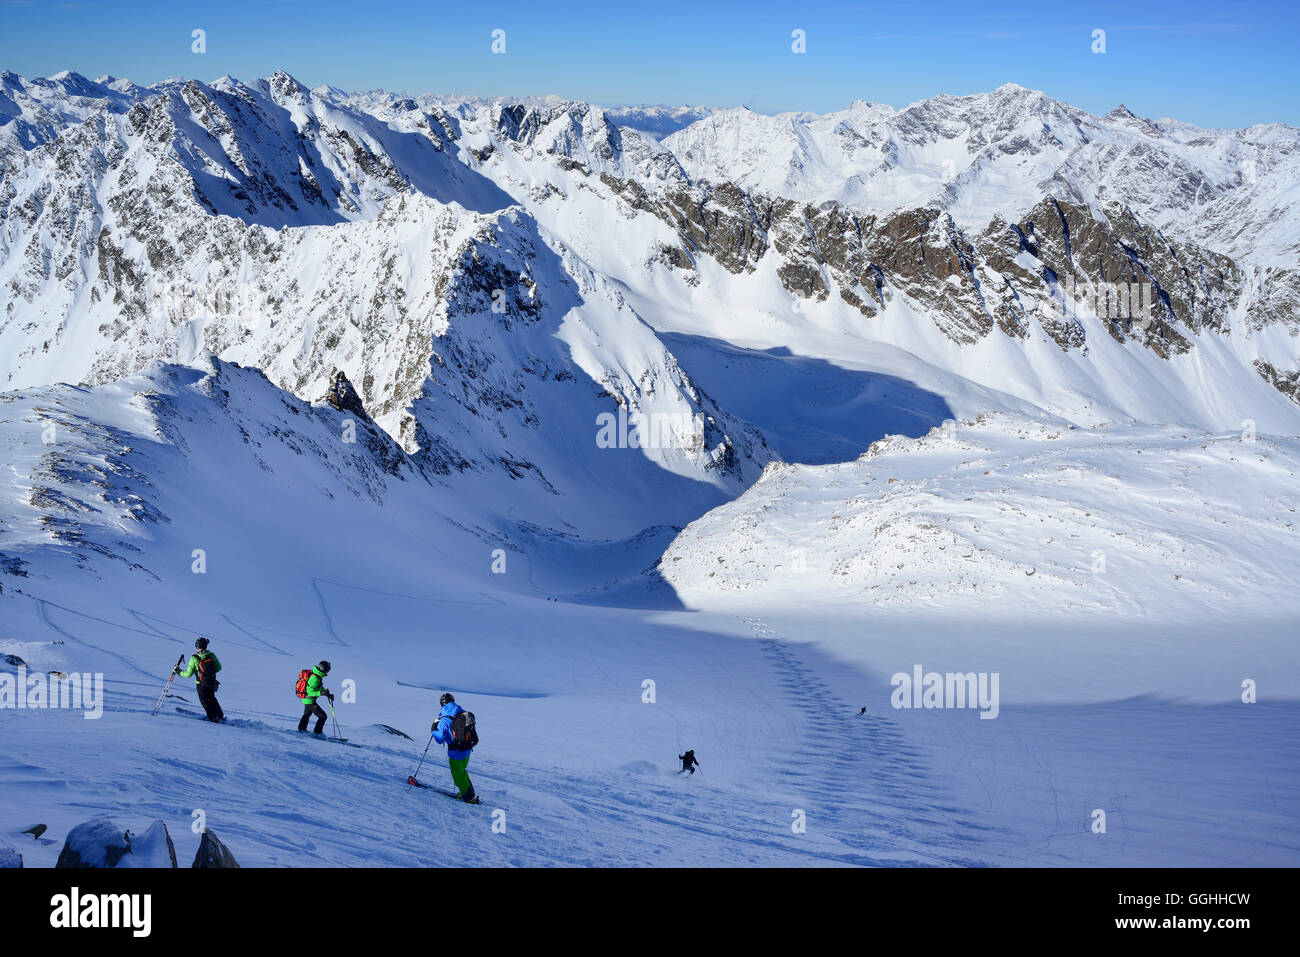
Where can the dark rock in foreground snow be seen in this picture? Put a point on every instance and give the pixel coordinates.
(213, 853)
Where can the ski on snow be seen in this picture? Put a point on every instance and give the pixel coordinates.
(194, 714)
(430, 787)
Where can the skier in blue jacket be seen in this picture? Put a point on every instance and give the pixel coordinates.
(457, 758)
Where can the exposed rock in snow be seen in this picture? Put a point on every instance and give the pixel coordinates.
(343, 397)
(101, 843)
(213, 853)
(1286, 382)
(97, 843)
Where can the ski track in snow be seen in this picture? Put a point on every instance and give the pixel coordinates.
(44, 607)
(856, 773)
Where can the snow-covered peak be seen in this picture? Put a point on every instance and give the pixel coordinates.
(977, 156)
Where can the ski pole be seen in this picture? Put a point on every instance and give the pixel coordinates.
(167, 687)
(411, 779)
(337, 733)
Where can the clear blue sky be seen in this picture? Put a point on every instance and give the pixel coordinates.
(1212, 63)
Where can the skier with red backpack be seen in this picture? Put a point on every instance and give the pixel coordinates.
(455, 728)
(203, 665)
(311, 685)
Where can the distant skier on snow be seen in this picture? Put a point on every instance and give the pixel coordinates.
(688, 762)
(460, 736)
(863, 711)
(203, 665)
(311, 685)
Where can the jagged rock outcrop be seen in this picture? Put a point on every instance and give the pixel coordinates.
(357, 426)
(1288, 383)
(213, 853)
(343, 396)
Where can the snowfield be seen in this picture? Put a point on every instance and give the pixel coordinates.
(1016, 513)
(368, 569)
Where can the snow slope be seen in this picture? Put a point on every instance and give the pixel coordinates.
(1002, 510)
(404, 602)
(1129, 586)
(374, 567)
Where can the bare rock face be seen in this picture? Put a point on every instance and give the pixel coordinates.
(1152, 287)
(1288, 383)
(1147, 289)
(213, 853)
(343, 396)
(722, 221)
(101, 843)
(929, 260)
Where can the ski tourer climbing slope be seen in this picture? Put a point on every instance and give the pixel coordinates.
(311, 685)
(457, 757)
(203, 665)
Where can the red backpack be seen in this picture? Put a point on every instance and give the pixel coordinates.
(301, 688)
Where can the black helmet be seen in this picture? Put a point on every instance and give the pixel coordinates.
(324, 666)
(201, 644)
(446, 699)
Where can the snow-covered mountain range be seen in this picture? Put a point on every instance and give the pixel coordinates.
(726, 385)
(977, 213)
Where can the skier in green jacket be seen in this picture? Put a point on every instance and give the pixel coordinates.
(204, 666)
(315, 689)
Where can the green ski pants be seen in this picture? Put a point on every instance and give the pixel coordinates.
(461, 776)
